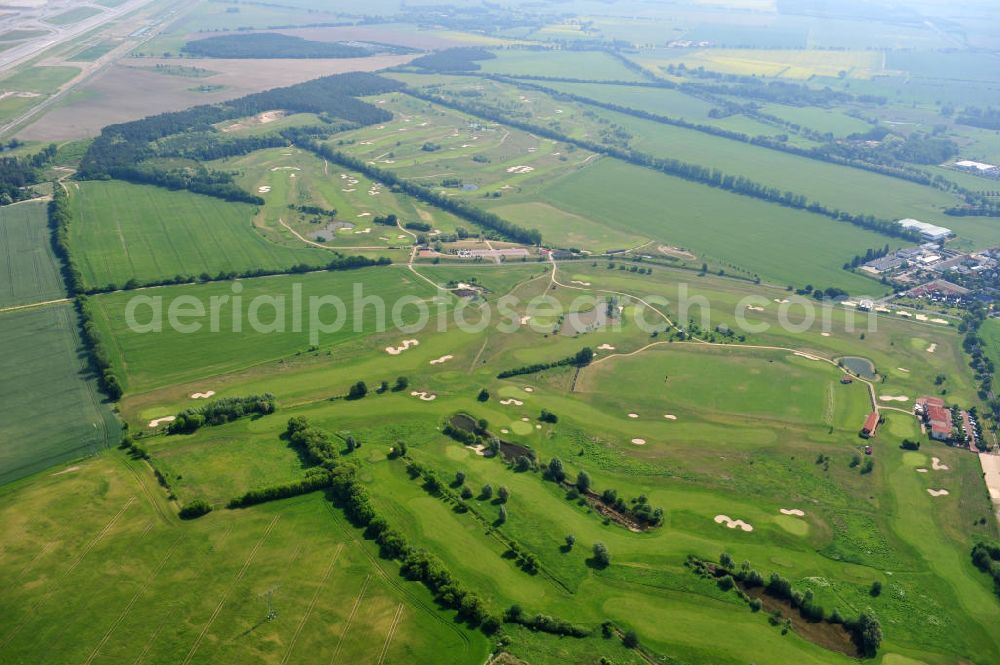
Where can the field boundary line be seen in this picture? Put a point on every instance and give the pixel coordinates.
(131, 602)
(397, 617)
(350, 618)
(312, 603)
(229, 590)
(15, 308)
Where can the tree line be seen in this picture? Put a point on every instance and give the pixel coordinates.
(692, 172)
(461, 59)
(270, 45)
(986, 557)
(457, 207)
(315, 479)
(121, 148)
(581, 358)
(349, 493)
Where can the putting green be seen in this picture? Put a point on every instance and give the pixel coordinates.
(521, 428)
(794, 525)
(914, 459)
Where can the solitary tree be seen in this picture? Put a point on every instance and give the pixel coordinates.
(570, 541)
(459, 479)
(487, 492)
(352, 443)
(484, 395)
(601, 555)
(631, 640)
(556, 471)
(358, 390)
(503, 515)
(868, 631)
(402, 383)
(503, 493)
(876, 589)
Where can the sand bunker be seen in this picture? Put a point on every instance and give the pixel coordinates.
(606, 347)
(525, 419)
(427, 397)
(900, 312)
(365, 214)
(529, 389)
(442, 359)
(505, 431)
(932, 348)
(204, 395)
(894, 398)
(903, 369)
(945, 322)
(66, 470)
(732, 524)
(479, 449)
(921, 470)
(781, 301)
(575, 281)
(825, 334)
(754, 308)
(286, 168)
(639, 442)
(525, 319)
(792, 511)
(515, 402)
(669, 416)
(166, 419)
(937, 465)
(349, 189)
(921, 317)
(396, 350)
(263, 189)
(938, 492)
(520, 169)
(633, 415)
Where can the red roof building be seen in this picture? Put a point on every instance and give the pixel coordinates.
(871, 424)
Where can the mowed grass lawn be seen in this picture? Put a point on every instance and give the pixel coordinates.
(154, 359)
(111, 576)
(29, 272)
(52, 410)
(781, 245)
(122, 231)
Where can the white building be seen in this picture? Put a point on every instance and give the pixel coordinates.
(969, 165)
(927, 231)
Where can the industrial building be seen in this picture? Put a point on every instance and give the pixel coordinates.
(927, 231)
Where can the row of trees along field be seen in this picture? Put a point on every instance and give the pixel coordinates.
(457, 207)
(350, 493)
(692, 172)
(121, 149)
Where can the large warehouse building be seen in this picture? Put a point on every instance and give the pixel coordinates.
(927, 231)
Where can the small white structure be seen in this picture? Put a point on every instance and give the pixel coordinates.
(927, 231)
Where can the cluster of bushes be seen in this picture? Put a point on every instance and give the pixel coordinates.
(638, 508)
(463, 436)
(17, 173)
(582, 358)
(314, 210)
(456, 206)
(194, 509)
(866, 629)
(544, 623)
(909, 444)
(315, 444)
(221, 411)
(986, 557)
(385, 220)
(423, 227)
(315, 479)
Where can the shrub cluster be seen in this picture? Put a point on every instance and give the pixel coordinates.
(544, 623)
(221, 411)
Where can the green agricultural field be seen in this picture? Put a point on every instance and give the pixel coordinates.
(155, 359)
(595, 65)
(92, 53)
(122, 232)
(726, 227)
(39, 79)
(333, 596)
(53, 410)
(73, 16)
(26, 258)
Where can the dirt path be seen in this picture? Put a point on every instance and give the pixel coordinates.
(15, 308)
